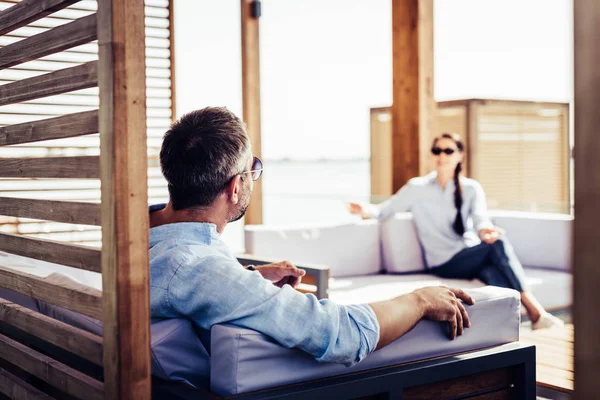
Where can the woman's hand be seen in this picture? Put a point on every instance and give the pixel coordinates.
(490, 235)
(358, 209)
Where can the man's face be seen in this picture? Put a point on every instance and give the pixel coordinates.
(245, 194)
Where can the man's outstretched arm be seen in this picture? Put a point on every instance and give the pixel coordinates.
(399, 315)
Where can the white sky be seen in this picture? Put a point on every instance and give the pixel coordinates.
(326, 62)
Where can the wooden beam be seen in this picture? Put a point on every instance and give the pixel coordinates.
(124, 215)
(587, 197)
(17, 389)
(251, 99)
(60, 211)
(65, 378)
(55, 289)
(78, 32)
(413, 108)
(74, 340)
(62, 81)
(83, 167)
(70, 125)
(72, 255)
(28, 11)
(172, 61)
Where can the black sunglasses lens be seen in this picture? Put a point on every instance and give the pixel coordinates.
(436, 151)
(449, 151)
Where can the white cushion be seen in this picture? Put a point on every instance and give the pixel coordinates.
(350, 249)
(243, 360)
(400, 246)
(552, 288)
(539, 239)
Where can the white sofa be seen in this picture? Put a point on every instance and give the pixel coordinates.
(372, 261)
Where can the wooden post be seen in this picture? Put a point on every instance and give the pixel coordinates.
(587, 197)
(251, 95)
(413, 108)
(124, 208)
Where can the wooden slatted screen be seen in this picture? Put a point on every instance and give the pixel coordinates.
(523, 155)
(518, 150)
(71, 112)
(85, 102)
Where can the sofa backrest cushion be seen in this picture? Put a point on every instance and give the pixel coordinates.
(400, 248)
(350, 249)
(539, 239)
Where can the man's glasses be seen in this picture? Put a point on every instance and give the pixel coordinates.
(437, 151)
(256, 169)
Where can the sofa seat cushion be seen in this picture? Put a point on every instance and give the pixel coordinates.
(551, 287)
(244, 360)
(367, 289)
(350, 249)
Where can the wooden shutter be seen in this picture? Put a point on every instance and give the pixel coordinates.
(158, 90)
(523, 155)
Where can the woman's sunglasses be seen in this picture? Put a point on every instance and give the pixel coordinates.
(256, 169)
(437, 151)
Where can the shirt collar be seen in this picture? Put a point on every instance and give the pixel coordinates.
(202, 232)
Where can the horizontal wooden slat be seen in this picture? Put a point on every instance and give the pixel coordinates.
(77, 341)
(52, 128)
(16, 389)
(60, 211)
(65, 378)
(55, 252)
(55, 40)
(27, 11)
(56, 289)
(85, 167)
(64, 80)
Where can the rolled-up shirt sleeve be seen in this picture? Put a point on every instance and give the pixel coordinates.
(479, 211)
(402, 201)
(218, 290)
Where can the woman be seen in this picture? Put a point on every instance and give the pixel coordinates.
(442, 204)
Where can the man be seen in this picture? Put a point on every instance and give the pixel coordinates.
(207, 161)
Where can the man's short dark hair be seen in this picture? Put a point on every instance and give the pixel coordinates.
(200, 153)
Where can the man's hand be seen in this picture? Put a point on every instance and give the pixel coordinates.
(441, 303)
(282, 273)
(490, 235)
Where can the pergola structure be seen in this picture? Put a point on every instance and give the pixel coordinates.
(123, 305)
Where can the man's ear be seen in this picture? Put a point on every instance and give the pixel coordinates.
(233, 189)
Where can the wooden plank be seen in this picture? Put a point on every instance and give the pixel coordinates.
(251, 100)
(462, 387)
(413, 108)
(64, 80)
(28, 11)
(587, 197)
(84, 167)
(59, 211)
(55, 289)
(17, 389)
(66, 126)
(51, 251)
(80, 31)
(51, 371)
(77, 341)
(125, 277)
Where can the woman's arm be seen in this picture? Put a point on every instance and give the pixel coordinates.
(399, 202)
(481, 221)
